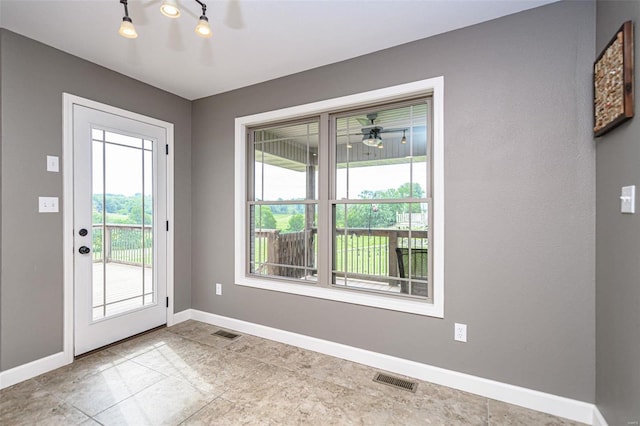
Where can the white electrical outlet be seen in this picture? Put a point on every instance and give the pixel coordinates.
(218, 289)
(460, 332)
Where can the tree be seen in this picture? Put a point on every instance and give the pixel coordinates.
(265, 219)
(296, 223)
(379, 214)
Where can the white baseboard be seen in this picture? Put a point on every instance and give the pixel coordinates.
(51, 362)
(32, 369)
(535, 400)
(179, 317)
(598, 418)
(528, 398)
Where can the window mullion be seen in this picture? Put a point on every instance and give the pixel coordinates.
(325, 161)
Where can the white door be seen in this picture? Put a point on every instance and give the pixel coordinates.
(120, 238)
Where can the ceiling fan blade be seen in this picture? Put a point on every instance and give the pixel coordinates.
(394, 130)
(364, 121)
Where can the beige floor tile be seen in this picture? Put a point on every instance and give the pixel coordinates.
(348, 374)
(418, 409)
(223, 412)
(200, 332)
(167, 402)
(346, 407)
(503, 414)
(146, 342)
(265, 350)
(191, 366)
(90, 422)
(183, 373)
(64, 377)
(106, 388)
(28, 404)
(280, 354)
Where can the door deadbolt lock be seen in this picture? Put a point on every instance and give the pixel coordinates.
(84, 250)
(83, 232)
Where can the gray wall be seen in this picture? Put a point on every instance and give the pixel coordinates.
(33, 78)
(520, 202)
(617, 249)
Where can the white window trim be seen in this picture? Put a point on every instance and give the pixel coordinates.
(432, 86)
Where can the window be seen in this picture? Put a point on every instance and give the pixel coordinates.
(283, 201)
(344, 201)
(380, 211)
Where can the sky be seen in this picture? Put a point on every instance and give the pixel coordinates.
(124, 176)
(288, 184)
(124, 166)
(124, 170)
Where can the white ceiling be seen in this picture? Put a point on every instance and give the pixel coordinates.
(253, 41)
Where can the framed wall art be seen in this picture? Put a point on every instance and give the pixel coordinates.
(613, 82)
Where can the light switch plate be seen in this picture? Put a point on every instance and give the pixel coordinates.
(48, 204)
(53, 164)
(628, 199)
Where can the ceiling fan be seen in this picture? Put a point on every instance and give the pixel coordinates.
(371, 132)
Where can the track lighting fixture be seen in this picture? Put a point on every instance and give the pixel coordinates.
(170, 9)
(126, 27)
(203, 29)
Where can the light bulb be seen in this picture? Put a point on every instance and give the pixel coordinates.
(169, 8)
(127, 29)
(203, 29)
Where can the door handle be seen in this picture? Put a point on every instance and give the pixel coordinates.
(84, 250)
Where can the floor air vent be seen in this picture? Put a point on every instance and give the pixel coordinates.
(396, 382)
(226, 334)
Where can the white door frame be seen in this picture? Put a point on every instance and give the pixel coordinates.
(68, 101)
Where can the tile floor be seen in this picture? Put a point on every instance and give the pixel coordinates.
(183, 375)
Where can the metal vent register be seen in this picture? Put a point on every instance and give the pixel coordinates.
(225, 334)
(396, 382)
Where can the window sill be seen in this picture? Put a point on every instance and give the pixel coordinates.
(418, 307)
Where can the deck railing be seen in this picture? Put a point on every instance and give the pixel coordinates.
(368, 253)
(372, 253)
(126, 244)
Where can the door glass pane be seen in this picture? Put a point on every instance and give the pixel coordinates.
(122, 224)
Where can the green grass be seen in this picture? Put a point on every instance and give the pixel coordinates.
(282, 220)
(365, 255)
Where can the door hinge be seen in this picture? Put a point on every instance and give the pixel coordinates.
(167, 225)
(167, 148)
(167, 302)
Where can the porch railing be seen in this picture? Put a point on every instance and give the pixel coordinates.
(126, 244)
(370, 254)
